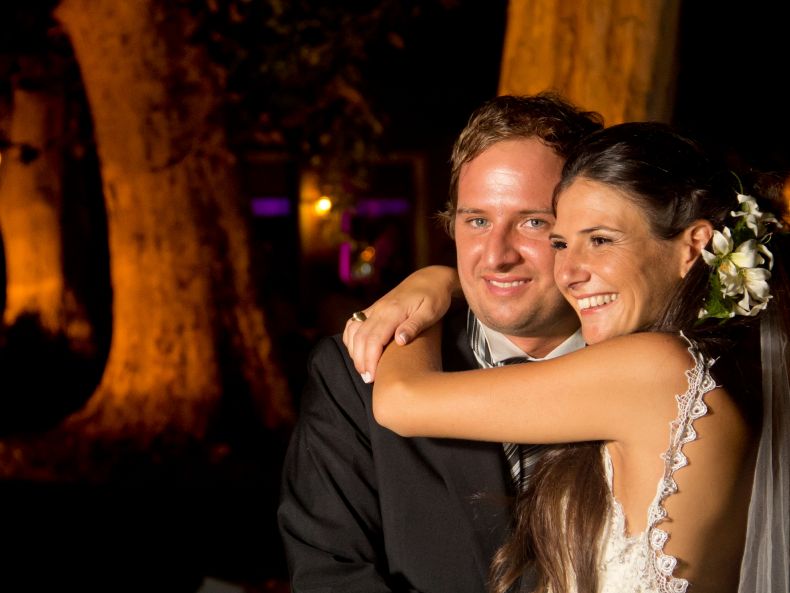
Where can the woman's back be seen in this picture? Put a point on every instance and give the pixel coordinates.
(686, 473)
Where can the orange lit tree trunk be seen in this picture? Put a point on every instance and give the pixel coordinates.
(31, 195)
(186, 321)
(614, 56)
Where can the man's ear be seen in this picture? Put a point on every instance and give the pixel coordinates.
(693, 241)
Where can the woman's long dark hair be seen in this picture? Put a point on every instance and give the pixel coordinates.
(559, 517)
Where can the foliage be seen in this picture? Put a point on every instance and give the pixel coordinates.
(295, 75)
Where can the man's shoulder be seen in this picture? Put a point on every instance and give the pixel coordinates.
(328, 346)
(329, 350)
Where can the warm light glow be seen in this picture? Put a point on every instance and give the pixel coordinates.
(323, 205)
(319, 220)
(368, 254)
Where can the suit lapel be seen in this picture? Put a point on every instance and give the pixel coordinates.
(474, 472)
(478, 483)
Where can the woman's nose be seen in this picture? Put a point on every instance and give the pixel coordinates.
(570, 268)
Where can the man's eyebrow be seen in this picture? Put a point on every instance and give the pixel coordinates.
(528, 211)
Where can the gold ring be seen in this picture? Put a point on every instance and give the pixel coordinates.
(359, 316)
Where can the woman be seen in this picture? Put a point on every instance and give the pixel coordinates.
(617, 509)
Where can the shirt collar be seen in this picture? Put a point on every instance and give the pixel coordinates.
(501, 347)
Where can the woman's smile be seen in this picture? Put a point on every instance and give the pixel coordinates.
(609, 265)
(596, 301)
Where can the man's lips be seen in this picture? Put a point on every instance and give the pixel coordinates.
(506, 286)
(506, 283)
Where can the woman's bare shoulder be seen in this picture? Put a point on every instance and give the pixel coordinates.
(646, 349)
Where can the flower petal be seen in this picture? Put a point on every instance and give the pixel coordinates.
(756, 282)
(722, 242)
(766, 252)
(709, 258)
(731, 282)
(745, 255)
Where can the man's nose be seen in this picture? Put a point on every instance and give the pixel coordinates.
(502, 247)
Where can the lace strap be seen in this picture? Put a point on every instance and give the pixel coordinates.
(691, 405)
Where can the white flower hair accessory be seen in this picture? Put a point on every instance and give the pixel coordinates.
(741, 264)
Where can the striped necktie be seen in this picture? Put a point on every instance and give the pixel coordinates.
(521, 459)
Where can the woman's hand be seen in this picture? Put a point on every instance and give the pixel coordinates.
(404, 312)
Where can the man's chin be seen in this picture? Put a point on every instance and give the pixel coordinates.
(511, 324)
(504, 324)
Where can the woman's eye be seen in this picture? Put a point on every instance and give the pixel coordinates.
(558, 245)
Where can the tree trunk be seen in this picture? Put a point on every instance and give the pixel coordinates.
(31, 196)
(613, 56)
(186, 320)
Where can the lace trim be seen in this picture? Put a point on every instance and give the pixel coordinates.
(690, 407)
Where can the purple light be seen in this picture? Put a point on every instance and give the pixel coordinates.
(344, 262)
(271, 206)
(376, 207)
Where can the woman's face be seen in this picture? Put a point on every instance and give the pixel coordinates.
(614, 272)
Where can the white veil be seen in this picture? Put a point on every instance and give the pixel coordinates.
(766, 560)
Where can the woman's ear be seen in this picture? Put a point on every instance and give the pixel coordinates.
(694, 240)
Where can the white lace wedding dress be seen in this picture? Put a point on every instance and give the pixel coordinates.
(638, 564)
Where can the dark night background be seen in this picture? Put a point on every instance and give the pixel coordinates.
(733, 62)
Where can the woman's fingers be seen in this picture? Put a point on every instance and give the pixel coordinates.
(373, 335)
(404, 312)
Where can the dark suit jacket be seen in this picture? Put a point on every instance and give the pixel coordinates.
(364, 510)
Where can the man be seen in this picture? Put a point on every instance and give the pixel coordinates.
(364, 510)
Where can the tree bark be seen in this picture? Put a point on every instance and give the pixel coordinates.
(31, 196)
(613, 56)
(186, 320)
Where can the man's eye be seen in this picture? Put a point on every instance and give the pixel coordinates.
(598, 241)
(476, 222)
(558, 245)
(536, 223)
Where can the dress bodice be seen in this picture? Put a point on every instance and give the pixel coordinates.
(637, 563)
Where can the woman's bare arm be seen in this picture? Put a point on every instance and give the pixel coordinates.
(608, 391)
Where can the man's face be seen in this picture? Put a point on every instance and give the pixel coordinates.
(505, 261)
